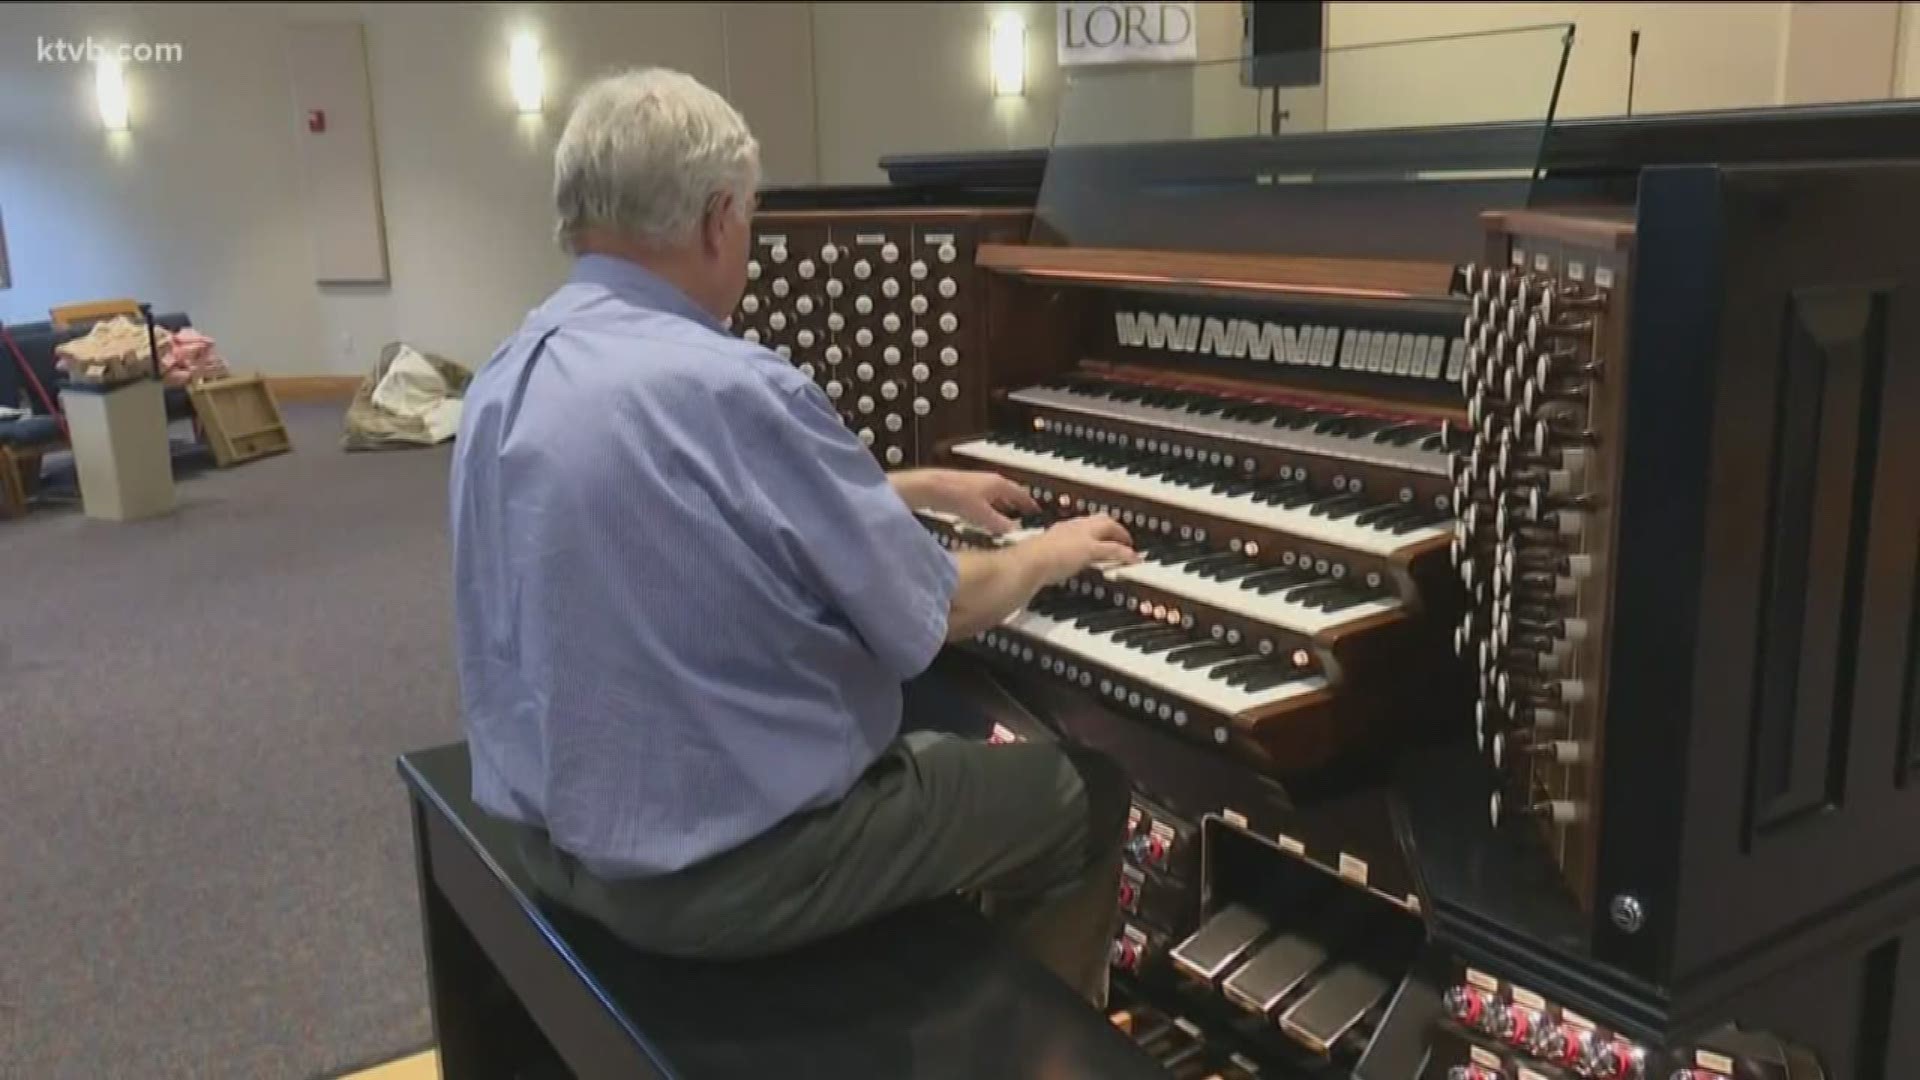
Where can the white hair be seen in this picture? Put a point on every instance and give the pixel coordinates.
(644, 153)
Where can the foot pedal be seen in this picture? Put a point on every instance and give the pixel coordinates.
(1219, 944)
(1278, 969)
(1334, 1005)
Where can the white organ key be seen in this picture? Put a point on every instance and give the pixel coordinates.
(805, 338)
(751, 334)
(949, 356)
(918, 305)
(891, 354)
(948, 287)
(864, 405)
(863, 304)
(777, 320)
(894, 456)
(891, 323)
(889, 390)
(835, 354)
(949, 322)
(829, 254)
(779, 253)
(950, 390)
(749, 303)
(947, 253)
(804, 305)
(890, 252)
(863, 337)
(806, 268)
(1411, 458)
(921, 406)
(921, 373)
(780, 287)
(864, 371)
(753, 269)
(834, 389)
(890, 288)
(894, 422)
(920, 338)
(1193, 685)
(918, 270)
(1301, 522)
(862, 269)
(835, 287)
(867, 436)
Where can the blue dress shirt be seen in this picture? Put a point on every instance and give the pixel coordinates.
(686, 596)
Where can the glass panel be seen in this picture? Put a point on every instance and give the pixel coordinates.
(1182, 155)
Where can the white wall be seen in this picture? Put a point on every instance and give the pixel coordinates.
(198, 206)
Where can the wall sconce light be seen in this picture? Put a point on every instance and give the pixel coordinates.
(525, 74)
(110, 92)
(1008, 50)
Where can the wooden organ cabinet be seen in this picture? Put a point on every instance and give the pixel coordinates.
(1520, 679)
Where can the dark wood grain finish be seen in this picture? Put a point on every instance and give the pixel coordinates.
(1278, 274)
(1607, 228)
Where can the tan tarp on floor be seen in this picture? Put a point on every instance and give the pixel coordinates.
(372, 427)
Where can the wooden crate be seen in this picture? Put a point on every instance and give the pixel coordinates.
(240, 418)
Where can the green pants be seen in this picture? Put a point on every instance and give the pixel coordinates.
(1034, 829)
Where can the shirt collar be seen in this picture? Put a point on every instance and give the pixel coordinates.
(635, 282)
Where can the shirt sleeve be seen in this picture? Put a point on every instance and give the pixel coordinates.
(837, 519)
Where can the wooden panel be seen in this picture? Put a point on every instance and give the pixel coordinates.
(1330, 278)
(71, 315)
(1830, 378)
(327, 62)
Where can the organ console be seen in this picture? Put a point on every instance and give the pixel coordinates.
(1519, 678)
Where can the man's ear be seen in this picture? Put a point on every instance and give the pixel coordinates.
(713, 227)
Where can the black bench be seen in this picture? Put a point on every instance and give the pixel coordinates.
(932, 992)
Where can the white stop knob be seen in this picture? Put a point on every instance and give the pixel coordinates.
(785, 352)
(948, 287)
(836, 321)
(807, 370)
(891, 354)
(779, 253)
(918, 304)
(894, 456)
(949, 322)
(806, 268)
(863, 337)
(889, 390)
(865, 404)
(753, 269)
(866, 436)
(921, 373)
(749, 303)
(864, 371)
(863, 304)
(862, 269)
(890, 252)
(834, 389)
(947, 253)
(777, 320)
(891, 323)
(920, 338)
(950, 390)
(751, 335)
(921, 406)
(780, 287)
(835, 354)
(949, 356)
(805, 338)
(918, 270)
(804, 305)
(829, 254)
(894, 422)
(835, 287)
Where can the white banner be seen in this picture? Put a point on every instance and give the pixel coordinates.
(1119, 33)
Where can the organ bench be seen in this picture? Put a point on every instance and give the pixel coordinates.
(518, 986)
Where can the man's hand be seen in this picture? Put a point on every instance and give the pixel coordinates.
(1071, 546)
(981, 499)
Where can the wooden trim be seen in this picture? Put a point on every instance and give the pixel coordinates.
(854, 215)
(68, 315)
(313, 387)
(1361, 279)
(1604, 227)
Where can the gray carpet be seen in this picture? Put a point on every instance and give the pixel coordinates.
(205, 867)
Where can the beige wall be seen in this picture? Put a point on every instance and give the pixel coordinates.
(197, 207)
(1910, 50)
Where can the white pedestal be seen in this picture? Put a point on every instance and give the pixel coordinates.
(120, 450)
